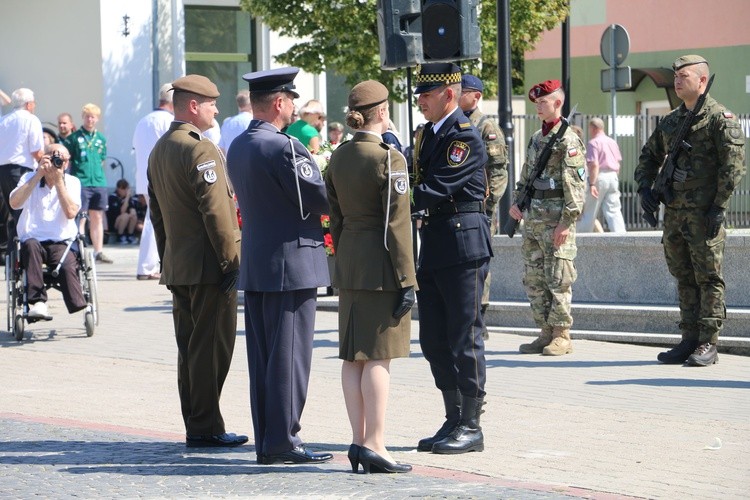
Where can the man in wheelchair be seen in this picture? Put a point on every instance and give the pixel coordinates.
(49, 199)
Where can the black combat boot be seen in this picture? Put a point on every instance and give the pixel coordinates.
(704, 355)
(452, 402)
(468, 435)
(679, 353)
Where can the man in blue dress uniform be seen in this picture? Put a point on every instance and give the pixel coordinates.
(450, 187)
(281, 195)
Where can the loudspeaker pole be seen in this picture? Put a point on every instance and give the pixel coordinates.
(566, 63)
(504, 100)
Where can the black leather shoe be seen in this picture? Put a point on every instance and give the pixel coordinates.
(372, 462)
(227, 439)
(353, 455)
(298, 455)
(704, 355)
(679, 353)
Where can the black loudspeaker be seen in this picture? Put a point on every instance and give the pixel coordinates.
(400, 33)
(450, 30)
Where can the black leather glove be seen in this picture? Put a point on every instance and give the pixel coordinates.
(649, 204)
(714, 220)
(229, 280)
(405, 301)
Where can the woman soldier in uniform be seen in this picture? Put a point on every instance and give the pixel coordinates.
(368, 190)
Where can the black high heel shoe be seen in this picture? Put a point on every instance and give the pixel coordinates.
(354, 456)
(372, 462)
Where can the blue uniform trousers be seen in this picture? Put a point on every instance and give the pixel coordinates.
(450, 325)
(279, 329)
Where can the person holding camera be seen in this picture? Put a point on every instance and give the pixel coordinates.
(49, 200)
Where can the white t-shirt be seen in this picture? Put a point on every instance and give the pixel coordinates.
(20, 135)
(148, 130)
(232, 127)
(42, 217)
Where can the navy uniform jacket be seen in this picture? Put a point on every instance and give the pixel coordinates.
(283, 249)
(452, 171)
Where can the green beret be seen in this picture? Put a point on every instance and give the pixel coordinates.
(196, 84)
(683, 61)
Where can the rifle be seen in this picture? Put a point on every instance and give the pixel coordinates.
(669, 173)
(527, 192)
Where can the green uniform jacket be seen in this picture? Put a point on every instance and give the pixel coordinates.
(497, 154)
(370, 209)
(192, 208)
(714, 165)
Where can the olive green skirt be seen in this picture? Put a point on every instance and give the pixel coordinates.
(367, 329)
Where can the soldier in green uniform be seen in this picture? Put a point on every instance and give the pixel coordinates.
(694, 235)
(549, 244)
(497, 163)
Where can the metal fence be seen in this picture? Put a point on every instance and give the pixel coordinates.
(632, 133)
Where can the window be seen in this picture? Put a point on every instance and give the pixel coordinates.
(220, 44)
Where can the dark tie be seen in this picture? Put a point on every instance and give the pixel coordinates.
(428, 135)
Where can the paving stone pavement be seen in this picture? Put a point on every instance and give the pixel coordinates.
(99, 417)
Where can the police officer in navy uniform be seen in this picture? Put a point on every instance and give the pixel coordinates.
(197, 236)
(454, 257)
(281, 195)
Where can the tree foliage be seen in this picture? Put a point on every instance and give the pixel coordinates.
(342, 36)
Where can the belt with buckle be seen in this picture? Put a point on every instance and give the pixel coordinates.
(456, 207)
(548, 193)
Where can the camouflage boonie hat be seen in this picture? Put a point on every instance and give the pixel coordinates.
(689, 60)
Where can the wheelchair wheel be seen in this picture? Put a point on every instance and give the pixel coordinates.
(9, 286)
(18, 327)
(88, 322)
(89, 284)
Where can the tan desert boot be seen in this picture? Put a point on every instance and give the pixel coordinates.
(539, 343)
(560, 344)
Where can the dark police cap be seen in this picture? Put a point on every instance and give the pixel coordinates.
(471, 82)
(272, 80)
(196, 84)
(367, 94)
(689, 60)
(433, 75)
(543, 89)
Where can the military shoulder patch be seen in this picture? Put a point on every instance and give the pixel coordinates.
(401, 184)
(206, 165)
(572, 152)
(457, 153)
(728, 114)
(305, 167)
(209, 176)
(491, 137)
(581, 173)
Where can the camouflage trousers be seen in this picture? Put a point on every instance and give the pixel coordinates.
(549, 274)
(696, 264)
(498, 183)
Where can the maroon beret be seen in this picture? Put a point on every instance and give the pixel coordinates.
(543, 89)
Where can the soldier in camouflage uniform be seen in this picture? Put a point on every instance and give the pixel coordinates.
(549, 244)
(693, 223)
(497, 164)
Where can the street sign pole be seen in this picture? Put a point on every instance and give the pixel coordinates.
(613, 91)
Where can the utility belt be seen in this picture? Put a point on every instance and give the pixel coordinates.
(456, 207)
(691, 183)
(548, 193)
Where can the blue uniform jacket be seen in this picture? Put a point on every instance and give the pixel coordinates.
(452, 170)
(284, 248)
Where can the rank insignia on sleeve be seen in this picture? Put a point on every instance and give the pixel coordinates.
(400, 185)
(206, 165)
(209, 176)
(581, 172)
(573, 152)
(457, 153)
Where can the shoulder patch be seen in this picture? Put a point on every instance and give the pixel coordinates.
(401, 184)
(457, 153)
(728, 114)
(572, 152)
(581, 173)
(206, 165)
(209, 176)
(491, 137)
(305, 167)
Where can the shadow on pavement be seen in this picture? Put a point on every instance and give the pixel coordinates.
(676, 382)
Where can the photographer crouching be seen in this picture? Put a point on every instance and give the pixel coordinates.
(49, 199)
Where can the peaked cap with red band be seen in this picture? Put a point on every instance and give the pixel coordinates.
(543, 89)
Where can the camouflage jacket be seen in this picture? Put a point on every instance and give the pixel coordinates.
(714, 165)
(497, 153)
(566, 168)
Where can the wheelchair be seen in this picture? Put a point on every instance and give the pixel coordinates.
(15, 278)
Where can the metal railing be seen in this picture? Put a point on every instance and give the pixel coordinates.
(632, 133)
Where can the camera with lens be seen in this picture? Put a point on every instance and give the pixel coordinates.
(57, 159)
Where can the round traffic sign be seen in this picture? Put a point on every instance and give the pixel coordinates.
(614, 55)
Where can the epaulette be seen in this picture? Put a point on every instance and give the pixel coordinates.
(464, 125)
(385, 146)
(195, 135)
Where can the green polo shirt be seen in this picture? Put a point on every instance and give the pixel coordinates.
(302, 131)
(88, 150)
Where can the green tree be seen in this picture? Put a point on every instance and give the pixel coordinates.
(342, 36)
